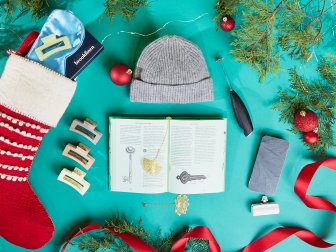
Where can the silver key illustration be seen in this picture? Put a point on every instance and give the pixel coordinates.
(186, 177)
(130, 150)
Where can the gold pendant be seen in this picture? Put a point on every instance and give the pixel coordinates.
(150, 166)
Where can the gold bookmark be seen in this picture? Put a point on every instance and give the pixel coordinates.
(181, 204)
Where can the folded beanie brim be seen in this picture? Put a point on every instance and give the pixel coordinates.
(188, 93)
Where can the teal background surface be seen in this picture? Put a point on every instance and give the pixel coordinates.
(226, 214)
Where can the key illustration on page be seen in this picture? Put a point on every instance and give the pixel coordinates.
(130, 150)
(185, 177)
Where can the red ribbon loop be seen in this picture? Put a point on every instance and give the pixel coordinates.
(302, 184)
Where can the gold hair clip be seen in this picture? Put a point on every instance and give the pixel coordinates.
(75, 179)
(181, 204)
(80, 154)
(87, 129)
(50, 41)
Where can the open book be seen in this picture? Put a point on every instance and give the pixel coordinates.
(167, 155)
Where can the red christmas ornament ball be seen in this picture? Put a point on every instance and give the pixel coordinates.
(227, 23)
(305, 120)
(310, 137)
(121, 74)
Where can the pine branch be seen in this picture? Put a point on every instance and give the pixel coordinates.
(255, 41)
(13, 9)
(95, 243)
(125, 8)
(318, 96)
(121, 225)
(106, 240)
(268, 27)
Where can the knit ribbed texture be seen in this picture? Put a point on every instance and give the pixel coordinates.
(171, 70)
(35, 91)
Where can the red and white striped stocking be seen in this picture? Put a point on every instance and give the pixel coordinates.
(32, 99)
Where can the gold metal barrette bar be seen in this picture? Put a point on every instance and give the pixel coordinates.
(75, 179)
(80, 154)
(87, 129)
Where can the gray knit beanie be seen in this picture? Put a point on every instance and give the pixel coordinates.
(171, 70)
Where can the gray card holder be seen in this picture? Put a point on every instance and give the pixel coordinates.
(268, 165)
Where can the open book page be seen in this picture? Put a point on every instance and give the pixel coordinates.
(197, 156)
(131, 142)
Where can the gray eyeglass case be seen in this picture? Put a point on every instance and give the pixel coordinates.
(268, 165)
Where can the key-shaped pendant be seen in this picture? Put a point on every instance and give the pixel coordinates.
(185, 177)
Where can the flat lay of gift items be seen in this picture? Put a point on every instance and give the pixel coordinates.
(167, 125)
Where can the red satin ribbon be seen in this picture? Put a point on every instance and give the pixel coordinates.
(301, 187)
(138, 245)
(131, 240)
(260, 245)
(199, 233)
(279, 234)
(302, 184)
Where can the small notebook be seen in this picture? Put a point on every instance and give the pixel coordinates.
(167, 155)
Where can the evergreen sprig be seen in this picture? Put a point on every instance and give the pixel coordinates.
(319, 96)
(125, 8)
(13, 9)
(255, 42)
(226, 8)
(106, 240)
(269, 26)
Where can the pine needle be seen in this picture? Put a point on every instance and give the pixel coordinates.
(271, 27)
(125, 8)
(105, 240)
(14, 9)
(319, 96)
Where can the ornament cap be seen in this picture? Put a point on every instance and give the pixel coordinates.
(227, 23)
(303, 113)
(129, 71)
